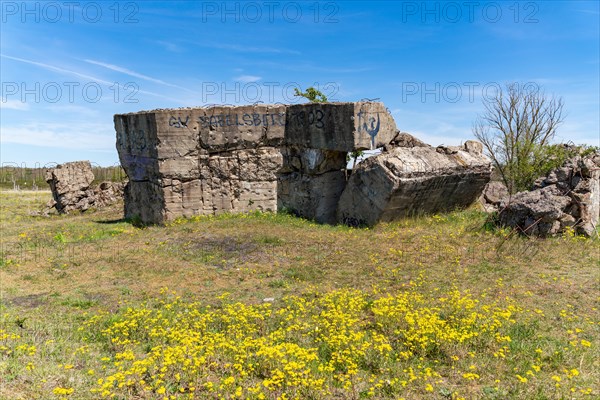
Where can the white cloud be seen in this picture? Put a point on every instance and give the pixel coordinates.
(247, 78)
(81, 136)
(8, 104)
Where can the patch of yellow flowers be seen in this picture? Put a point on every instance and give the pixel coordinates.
(314, 345)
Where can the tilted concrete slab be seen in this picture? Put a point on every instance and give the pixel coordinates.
(410, 181)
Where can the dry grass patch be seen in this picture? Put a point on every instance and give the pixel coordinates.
(100, 273)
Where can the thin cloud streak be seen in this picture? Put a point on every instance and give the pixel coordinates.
(172, 47)
(309, 67)
(129, 72)
(57, 69)
(593, 12)
(83, 76)
(247, 78)
(248, 49)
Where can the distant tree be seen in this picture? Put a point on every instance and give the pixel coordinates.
(312, 94)
(516, 129)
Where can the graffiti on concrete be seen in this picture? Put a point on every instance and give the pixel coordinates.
(135, 140)
(177, 122)
(308, 118)
(225, 120)
(367, 123)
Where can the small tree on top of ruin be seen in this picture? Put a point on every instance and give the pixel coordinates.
(313, 95)
(516, 129)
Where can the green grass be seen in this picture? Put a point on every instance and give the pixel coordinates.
(58, 272)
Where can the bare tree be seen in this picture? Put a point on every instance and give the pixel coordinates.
(516, 126)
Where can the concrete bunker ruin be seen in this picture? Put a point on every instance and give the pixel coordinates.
(199, 161)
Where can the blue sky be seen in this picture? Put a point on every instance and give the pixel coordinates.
(67, 67)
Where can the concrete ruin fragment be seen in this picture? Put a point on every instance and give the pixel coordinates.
(407, 181)
(568, 197)
(343, 127)
(200, 161)
(317, 140)
(493, 195)
(72, 190)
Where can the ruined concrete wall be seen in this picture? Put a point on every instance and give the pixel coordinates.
(318, 138)
(410, 181)
(198, 161)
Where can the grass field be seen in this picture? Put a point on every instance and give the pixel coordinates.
(269, 306)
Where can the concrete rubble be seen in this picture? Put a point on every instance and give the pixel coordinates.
(493, 195)
(407, 181)
(568, 197)
(199, 161)
(72, 189)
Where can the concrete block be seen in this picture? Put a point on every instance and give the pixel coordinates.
(339, 126)
(409, 181)
(313, 197)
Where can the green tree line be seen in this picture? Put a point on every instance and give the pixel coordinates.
(23, 178)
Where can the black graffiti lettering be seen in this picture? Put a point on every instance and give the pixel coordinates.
(177, 122)
(254, 119)
(139, 138)
(302, 118)
(281, 118)
(319, 119)
(372, 129)
(203, 122)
